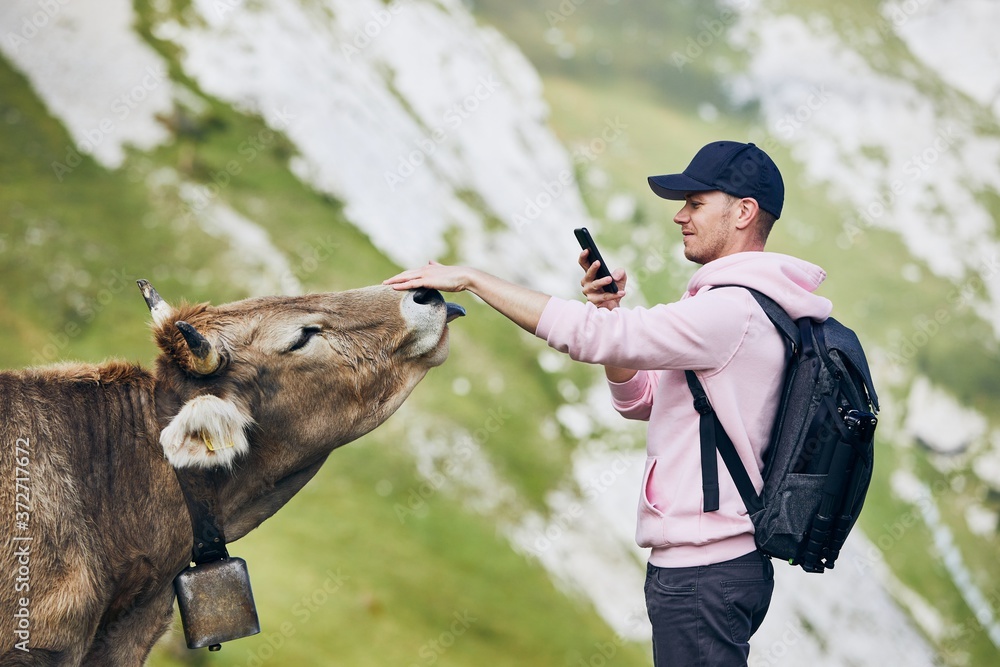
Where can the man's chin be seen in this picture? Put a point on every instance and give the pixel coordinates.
(692, 255)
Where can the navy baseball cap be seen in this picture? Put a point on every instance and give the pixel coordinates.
(738, 169)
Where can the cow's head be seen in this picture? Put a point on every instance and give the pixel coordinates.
(278, 382)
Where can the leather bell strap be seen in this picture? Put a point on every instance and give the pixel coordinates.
(209, 538)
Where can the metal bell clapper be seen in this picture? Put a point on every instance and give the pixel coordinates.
(216, 603)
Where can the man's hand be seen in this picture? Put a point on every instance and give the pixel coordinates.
(593, 287)
(433, 275)
(521, 305)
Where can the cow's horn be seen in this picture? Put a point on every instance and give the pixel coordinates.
(158, 308)
(204, 357)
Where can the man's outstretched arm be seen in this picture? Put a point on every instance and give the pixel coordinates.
(521, 305)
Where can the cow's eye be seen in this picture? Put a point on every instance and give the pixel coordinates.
(304, 337)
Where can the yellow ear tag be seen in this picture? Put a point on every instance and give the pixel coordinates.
(207, 439)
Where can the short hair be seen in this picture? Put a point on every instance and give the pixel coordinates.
(763, 225)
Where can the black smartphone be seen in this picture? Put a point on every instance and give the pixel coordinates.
(587, 243)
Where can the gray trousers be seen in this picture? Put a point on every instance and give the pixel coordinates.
(704, 616)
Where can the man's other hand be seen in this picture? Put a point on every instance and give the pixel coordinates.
(593, 287)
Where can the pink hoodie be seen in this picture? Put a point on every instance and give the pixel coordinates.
(739, 357)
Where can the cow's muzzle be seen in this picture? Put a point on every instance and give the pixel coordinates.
(427, 295)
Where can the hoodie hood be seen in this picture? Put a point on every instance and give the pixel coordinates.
(788, 280)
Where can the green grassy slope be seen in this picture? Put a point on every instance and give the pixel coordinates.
(339, 577)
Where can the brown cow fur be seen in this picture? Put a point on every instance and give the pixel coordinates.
(108, 523)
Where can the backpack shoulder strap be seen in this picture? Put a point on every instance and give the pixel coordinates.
(707, 427)
(714, 438)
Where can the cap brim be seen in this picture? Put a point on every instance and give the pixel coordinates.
(676, 186)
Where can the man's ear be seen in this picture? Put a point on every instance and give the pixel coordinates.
(746, 212)
(208, 432)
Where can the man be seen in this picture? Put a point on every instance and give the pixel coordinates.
(707, 586)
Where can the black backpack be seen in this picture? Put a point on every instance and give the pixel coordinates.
(818, 464)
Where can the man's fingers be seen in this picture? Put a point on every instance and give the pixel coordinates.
(407, 284)
(405, 280)
(595, 286)
(588, 266)
(399, 278)
(592, 270)
(609, 298)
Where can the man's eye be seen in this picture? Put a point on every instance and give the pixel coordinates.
(305, 337)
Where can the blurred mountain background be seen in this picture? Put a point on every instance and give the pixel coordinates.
(229, 148)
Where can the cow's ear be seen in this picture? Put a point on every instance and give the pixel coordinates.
(208, 432)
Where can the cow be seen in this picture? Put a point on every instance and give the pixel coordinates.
(244, 404)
